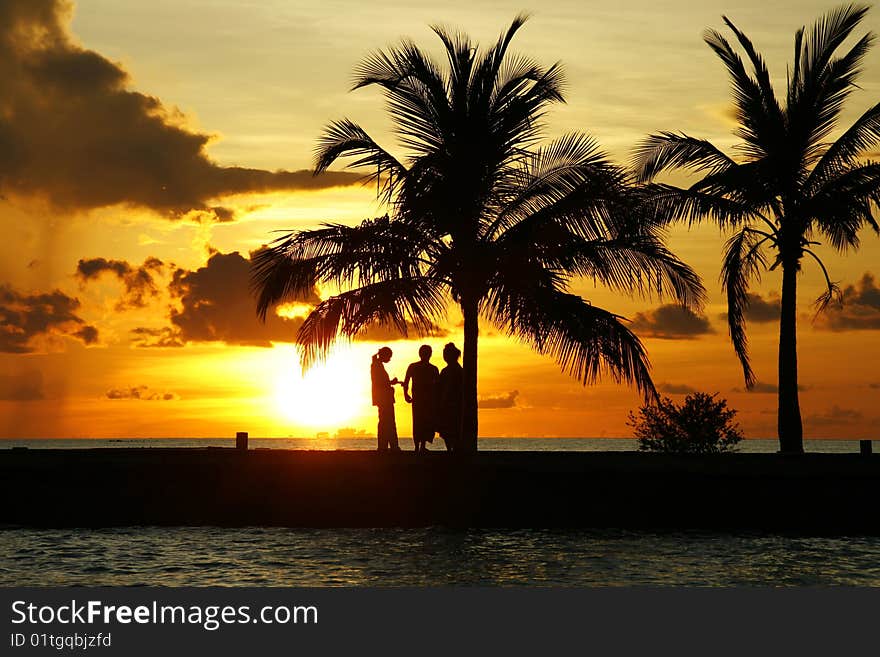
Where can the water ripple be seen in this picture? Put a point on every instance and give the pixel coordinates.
(205, 556)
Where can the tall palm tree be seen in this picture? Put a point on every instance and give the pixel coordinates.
(479, 214)
(790, 186)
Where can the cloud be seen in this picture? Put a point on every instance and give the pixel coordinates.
(138, 282)
(507, 400)
(164, 336)
(671, 322)
(761, 310)
(762, 388)
(26, 386)
(214, 304)
(676, 388)
(26, 320)
(766, 388)
(860, 309)
(140, 392)
(74, 132)
(875, 386)
(834, 416)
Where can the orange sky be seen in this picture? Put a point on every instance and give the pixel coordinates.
(124, 279)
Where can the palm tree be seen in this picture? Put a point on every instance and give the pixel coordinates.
(790, 186)
(479, 214)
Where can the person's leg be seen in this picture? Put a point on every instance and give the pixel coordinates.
(415, 428)
(392, 429)
(382, 429)
(379, 430)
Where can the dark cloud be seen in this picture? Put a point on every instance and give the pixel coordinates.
(73, 131)
(140, 392)
(26, 386)
(507, 400)
(214, 303)
(676, 388)
(26, 319)
(88, 334)
(156, 337)
(859, 310)
(761, 310)
(671, 322)
(138, 282)
(766, 388)
(761, 388)
(875, 386)
(834, 416)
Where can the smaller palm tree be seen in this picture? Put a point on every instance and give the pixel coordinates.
(791, 185)
(482, 216)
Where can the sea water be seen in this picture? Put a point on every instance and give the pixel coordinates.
(255, 556)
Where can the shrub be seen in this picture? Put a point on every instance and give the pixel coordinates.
(702, 424)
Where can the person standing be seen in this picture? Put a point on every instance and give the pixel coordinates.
(449, 398)
(424, 377)
(383, 399)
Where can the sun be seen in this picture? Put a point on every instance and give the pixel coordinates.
(327, 397)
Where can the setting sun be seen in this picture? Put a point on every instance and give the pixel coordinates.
(326, 397)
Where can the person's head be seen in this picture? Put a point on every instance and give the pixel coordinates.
(451, 353)
(384, 354)
(425, 352)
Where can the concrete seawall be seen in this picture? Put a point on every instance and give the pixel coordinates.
(816, 493)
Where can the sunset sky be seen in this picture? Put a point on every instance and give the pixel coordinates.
(146, 148)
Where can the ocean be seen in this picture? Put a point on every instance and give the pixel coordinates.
(330, 443)
(255, 556)
(258, 556)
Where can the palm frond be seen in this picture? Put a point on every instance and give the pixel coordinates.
(844, 204)
(771, 106)
(516, 116)
(832, 294)
(828, 34)
(759, 126)
(836, 85)
(347, 139)
(638, 264)
(668, 203)
(861, 136)
(275, 277)
(822, 83)
(569, 182)
(587, 342)
(403, 304)
(755, 184)
(375, 250)
(667, 150)
(415, 92)
(743, 263)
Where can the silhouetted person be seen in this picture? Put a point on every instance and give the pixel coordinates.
(383, 399)
(449, 398)
(424, 378)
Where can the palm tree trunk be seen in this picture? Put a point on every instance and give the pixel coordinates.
(791, 432)
(469, 417)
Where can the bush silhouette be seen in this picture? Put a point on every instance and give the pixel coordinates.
(702, 424)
